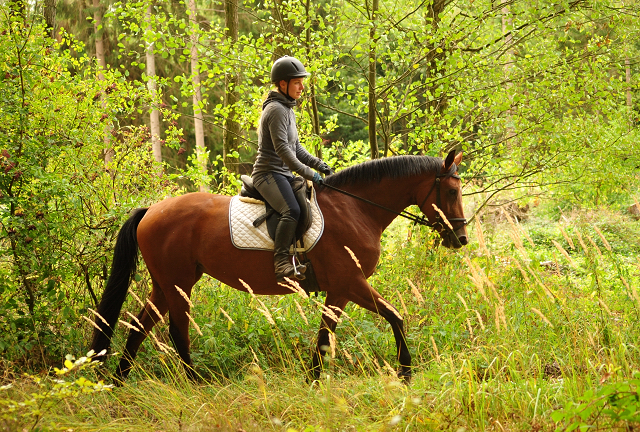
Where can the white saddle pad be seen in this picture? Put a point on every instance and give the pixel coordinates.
(242, 213)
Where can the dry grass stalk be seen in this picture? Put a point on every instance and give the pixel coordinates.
(329, 312)
(132, 327)
(475, 278)
(435, 349)
(480, 319)
(633, 291)
(524, 274)
(604, 240)
(135, 296)
(247, 287)
(469, 327)
(99, 316)
(224, 312)
(391, 308)
(295, 287)
(515, 232)
(339, 311)
(404, 307)
(195, 325)
(332, 344)
(444, 218)
(497, 319)
(604, 306)
(163, 347)
(354, 257)
(565, 253)
(416, 292)
(135, 318)
(584, 246)
(155, 309)
(91, 322)
(501, 314)
(480, 236)
(184, 296)
(541, 315)
(264, 311)
(255, 357)
(463, 302)
(301, 312)
(637, 203)
(566, 237)
(595, 246)
(348, 356)
(388, 368)
(526, 235)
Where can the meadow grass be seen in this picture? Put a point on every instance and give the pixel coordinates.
(517, 326)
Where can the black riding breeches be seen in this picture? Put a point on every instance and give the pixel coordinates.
(277, 190)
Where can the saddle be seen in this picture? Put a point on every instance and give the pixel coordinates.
(302, 193)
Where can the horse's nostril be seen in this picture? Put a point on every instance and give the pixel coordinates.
(463, 240)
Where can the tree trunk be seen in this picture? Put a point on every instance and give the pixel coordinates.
(435, 107)
(50, 17)
(102, 66)
(507, 24)
(373, 143)
(315, 118)
(231, 132)
(627, 66)
(154, 121)
(197, 95)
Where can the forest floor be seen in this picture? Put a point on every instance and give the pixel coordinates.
(533, 326)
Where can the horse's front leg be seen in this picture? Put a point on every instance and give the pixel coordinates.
(365, 296)
(334, 305)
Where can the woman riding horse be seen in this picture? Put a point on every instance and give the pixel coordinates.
(280, 153)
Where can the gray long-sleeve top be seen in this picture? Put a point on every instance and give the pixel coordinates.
(279, 148)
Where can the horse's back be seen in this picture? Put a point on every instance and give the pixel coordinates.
(177, 231)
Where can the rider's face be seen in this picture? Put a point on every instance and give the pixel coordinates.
(296, 85)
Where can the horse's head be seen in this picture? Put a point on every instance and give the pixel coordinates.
(445, 194)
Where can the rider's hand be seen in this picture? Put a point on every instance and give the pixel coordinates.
(317, 179)
(324, 168)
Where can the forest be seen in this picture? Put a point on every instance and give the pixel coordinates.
(107, 106)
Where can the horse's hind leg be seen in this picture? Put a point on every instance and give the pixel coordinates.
(334, 305)
(370, 299)
(148, 318)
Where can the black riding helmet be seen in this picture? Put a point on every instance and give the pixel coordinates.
(287, 68)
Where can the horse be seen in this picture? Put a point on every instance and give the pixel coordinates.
(183, 237)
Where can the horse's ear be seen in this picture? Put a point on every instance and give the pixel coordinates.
(449, 160)
(458, 159)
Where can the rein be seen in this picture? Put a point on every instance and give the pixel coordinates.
(421, 220)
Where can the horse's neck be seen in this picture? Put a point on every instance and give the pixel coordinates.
(394, 194)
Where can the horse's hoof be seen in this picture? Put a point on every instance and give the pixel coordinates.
(404, 375)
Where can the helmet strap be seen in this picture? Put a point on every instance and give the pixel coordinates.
(288, 80)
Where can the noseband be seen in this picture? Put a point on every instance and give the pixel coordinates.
(439, 223)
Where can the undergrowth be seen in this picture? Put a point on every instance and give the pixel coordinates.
(533, 326)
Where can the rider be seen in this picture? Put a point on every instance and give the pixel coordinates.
(280, 153)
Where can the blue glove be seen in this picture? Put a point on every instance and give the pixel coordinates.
(317, 179)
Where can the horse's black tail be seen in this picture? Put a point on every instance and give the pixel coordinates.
(123, 268)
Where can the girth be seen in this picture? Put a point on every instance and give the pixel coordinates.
(302, 193)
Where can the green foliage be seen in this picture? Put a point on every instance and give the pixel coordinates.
(70, 383)
(60, 203)
(615, 403)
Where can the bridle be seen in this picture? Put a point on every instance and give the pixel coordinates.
(438, 224)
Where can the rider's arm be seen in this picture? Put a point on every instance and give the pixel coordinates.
(278, 122)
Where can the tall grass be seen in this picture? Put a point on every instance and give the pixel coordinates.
(503, 333)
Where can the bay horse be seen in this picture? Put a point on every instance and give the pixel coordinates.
(185, 236)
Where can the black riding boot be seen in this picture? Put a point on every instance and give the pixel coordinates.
(285, 233)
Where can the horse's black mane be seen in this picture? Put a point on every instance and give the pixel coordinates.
(393, 167)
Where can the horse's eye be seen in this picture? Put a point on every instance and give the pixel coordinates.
(453, 192)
